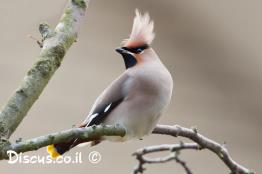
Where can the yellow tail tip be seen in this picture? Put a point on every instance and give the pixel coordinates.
(52, 151)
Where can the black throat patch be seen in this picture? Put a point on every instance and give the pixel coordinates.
(128, 56)
(129, 60)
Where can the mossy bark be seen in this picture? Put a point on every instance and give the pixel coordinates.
(55, 45)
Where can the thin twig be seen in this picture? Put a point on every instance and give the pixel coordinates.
(182, 163)
(173, 148)
(203, 142)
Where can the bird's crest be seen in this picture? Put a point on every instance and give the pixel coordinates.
(142, 31)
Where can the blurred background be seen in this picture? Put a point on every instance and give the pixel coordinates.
(212, 48)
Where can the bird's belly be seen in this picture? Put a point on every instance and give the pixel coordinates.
(138, 117)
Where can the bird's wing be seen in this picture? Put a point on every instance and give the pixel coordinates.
(109, 99)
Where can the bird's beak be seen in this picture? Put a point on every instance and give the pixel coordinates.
(121, 51)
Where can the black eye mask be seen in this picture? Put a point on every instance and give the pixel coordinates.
(136, 50)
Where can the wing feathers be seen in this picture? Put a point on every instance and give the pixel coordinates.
(98, 117)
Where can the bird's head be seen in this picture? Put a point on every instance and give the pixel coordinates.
(139, 41)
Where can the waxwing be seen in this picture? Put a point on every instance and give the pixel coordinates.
(138, 97)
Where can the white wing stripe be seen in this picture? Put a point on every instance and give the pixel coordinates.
(107, 108)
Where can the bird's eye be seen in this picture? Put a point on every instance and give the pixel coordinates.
(139, 50)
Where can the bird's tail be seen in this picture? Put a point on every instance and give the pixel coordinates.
(59, 149)
(56, 150)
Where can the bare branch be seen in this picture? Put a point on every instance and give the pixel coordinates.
(173, 148)
(167, 147)
(203, 142)
(86, 134)
(182, 163)
(93, 133)
(55, 45)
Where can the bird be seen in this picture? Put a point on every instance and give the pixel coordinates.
(138, 97)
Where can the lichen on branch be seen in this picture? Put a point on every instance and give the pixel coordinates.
(55, 45)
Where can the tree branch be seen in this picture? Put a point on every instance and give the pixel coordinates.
(182, 163)
(203, 142)
(173, 148)
(86, 134)
(93, 133)
(55, 45)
